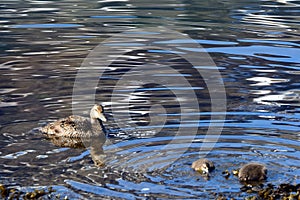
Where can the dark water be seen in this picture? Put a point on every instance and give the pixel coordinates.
(164, 97)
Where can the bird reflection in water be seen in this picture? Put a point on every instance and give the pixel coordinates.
(94, 143)
(80, 132)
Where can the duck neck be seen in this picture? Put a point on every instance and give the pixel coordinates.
(97, 125)
(94, 121)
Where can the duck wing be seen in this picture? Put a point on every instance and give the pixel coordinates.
(72, 126)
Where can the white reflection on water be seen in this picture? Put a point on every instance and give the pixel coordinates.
(264, 81)
(282, 98)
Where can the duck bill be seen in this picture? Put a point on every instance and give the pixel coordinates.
(102, 117)
(205, 171)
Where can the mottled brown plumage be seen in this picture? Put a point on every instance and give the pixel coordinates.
(253, 172)
(76, 126)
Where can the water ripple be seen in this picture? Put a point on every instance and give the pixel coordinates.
(45, 26)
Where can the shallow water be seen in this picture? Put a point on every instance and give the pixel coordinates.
(164, 111)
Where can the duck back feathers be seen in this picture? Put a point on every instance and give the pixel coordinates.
(77, 126)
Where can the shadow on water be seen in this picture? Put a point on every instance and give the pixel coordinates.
(255, 48)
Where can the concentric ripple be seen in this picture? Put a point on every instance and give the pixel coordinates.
(145, 168)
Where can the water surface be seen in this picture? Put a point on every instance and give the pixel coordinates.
(254, 45)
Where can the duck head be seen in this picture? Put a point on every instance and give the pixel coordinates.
(204, 168)
(97, 113)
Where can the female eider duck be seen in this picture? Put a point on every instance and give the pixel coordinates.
(203, 165)
(76, 126)
(253, 172)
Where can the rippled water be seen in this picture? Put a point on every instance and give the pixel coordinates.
(163, 111)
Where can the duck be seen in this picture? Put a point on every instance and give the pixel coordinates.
(253, 172)
(203, 165)
(76, 126)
